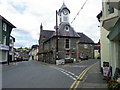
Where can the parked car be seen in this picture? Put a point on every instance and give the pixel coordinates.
(19, 59)
(25, 59)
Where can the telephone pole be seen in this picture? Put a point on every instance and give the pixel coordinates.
(56, 37)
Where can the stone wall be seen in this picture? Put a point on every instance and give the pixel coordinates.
(86, 51)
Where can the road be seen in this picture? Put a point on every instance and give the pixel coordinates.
(33, 74)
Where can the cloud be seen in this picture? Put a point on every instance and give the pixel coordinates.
(27, 15)
(23, 38)
(19, 7)
(23, 43)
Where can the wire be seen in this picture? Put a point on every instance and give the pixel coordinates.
(79, 11)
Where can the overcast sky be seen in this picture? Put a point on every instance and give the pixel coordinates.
(27, 15)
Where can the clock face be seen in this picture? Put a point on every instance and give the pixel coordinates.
(65, 11)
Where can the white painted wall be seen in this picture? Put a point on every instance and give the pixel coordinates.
(105, 45)
(109, 49)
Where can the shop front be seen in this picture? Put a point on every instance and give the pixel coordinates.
(3, 53)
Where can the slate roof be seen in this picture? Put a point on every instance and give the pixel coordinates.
(70, 33)
(47, 33)
(85, 39)
(5, 20)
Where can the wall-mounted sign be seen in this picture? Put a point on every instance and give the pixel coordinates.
(105, 71)
(4, 47)
(73, 52)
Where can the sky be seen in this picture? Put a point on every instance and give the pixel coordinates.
(27, 16)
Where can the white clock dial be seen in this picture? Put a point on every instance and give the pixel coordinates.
(65, 12)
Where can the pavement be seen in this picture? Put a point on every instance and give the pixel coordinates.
(93, 78)
(12, 64)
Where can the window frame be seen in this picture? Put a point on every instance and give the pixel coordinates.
(4, 40)
(4, 27)
(85, 46)
(110, 9)
(67, 44)
(66, 28)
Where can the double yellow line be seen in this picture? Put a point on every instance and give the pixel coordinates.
(77, 82)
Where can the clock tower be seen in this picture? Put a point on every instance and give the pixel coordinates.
(63, 14)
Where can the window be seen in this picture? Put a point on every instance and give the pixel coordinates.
(67, 43)
(4, 40)
(67, 51)
(111, 9)
(4, 27)
(85, 46)
(67, 56)
(60, 19)
(67, 28)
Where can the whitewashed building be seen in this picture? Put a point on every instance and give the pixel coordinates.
(110, 35)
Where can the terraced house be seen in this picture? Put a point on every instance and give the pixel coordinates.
(68, 41)
(5, 31)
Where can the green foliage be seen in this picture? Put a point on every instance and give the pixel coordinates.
(113, 84)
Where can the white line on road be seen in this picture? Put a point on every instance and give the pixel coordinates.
(68, 73)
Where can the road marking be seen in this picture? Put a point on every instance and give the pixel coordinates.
(75, 76)
(75, 66)
(77, 82)
(72, 77)
(68, 73)
(79, 66)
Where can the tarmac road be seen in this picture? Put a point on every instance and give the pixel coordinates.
(32, 74)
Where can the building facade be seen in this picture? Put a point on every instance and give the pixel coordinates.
(12, 49)
(110, 35)
(34, 52)
(68, 40)
(85, 47)
(5, 30)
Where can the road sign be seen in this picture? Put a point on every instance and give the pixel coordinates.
(73, 52)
